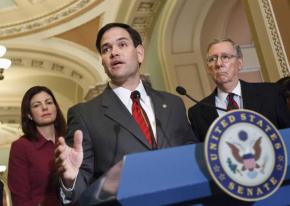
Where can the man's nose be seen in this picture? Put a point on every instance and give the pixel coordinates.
(219, 62)
(115, 51)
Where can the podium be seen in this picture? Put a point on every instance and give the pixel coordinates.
(179, 176)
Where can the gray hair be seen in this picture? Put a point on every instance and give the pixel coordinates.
(235, 45)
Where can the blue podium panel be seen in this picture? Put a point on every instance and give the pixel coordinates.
(282, 196)
(163, 177)
(179, 174)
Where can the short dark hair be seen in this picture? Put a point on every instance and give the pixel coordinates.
(28, 126)
(136, 38)
(235, 45)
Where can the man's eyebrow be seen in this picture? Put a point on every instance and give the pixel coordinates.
(120, 39)
(123, 38)
(104, 45)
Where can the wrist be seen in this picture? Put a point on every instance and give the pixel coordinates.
(69, 180)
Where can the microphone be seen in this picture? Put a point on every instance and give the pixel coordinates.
(135, 95)
(181, 90)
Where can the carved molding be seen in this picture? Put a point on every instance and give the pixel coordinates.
(95, 91)
(276, 41)
(46, 65)
(9, 114)
(55, 65)
(144, 15)
(45, 21)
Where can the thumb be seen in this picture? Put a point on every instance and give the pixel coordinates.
(78, 141)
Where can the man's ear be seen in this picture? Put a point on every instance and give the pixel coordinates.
(241, 63)
(140, 53)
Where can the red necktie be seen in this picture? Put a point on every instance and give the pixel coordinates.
(232, 104)
(141, 118)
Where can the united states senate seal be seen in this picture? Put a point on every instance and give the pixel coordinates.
(245, 155)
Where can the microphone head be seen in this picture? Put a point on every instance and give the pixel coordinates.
(135, 95)
(181, 90)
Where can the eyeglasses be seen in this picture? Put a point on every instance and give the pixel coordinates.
(225, 58)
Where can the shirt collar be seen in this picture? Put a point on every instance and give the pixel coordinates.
(41, 141)
(223, 95)
(124, 94)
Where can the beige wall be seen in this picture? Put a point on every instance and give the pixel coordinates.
(282, 13)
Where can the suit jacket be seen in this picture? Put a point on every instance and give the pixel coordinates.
(264, 98)
(110, 131)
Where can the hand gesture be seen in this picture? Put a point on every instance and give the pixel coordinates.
(69, 159)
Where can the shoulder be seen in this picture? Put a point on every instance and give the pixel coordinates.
(20, 145)
(262, 87)
(21, 141)
(94, 102)
(162, 94)
(162, 97)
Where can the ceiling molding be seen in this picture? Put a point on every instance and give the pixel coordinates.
(9, 114)
(276, 39)
(54, 18)
(52, 64)
(143, 16)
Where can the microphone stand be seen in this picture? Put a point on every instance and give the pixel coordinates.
(180, 90)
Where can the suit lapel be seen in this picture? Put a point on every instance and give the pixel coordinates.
(117, 111)
(162, 111)
(249, 94)
(210, 113)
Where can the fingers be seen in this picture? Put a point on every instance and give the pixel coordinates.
(60, 147)
(60, 155)
(68, 159)
(78, 141)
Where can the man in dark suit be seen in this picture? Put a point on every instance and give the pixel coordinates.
(224, 61)
(105, 128)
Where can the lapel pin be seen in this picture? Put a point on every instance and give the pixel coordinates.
(164, 106)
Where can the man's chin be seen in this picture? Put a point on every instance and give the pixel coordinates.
(223, 82)
(119, 78)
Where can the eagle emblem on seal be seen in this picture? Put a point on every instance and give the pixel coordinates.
(247, 154)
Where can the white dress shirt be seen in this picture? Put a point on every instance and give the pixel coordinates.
(124, 96)
(221, 98)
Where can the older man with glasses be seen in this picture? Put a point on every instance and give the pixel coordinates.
(224, 61)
